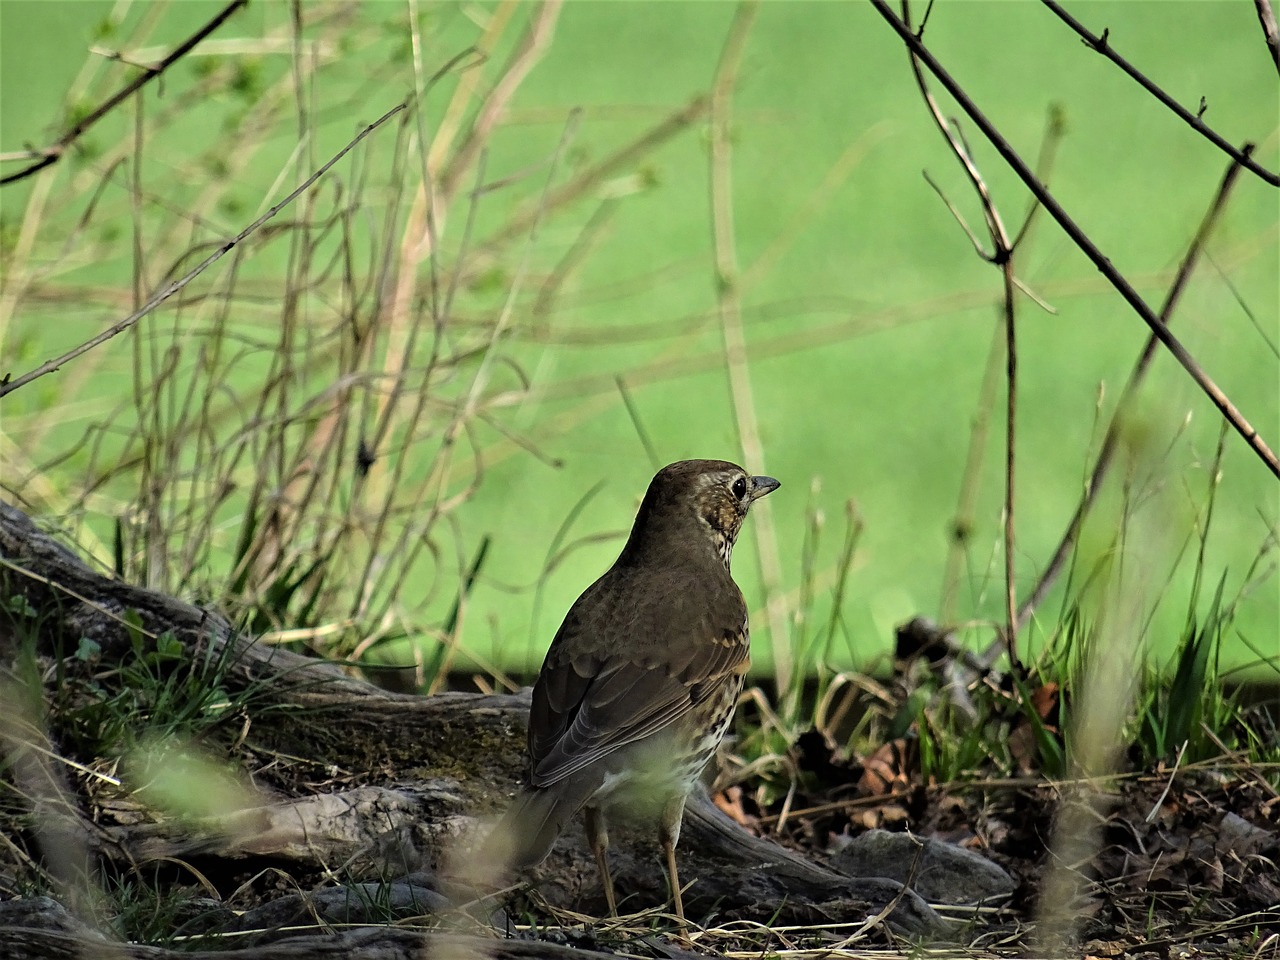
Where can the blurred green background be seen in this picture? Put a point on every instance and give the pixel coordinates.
(867, 315)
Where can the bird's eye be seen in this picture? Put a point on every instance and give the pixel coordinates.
(740, 487)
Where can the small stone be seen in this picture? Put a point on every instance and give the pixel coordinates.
(947, 873)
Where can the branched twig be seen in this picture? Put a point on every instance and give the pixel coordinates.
(55, 151)
(1086, 245)
(1102, 45)
(7, 386)
(1105, 453)
(1001, 255)
(962, 525)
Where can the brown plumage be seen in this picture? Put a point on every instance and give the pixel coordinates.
(642, 678)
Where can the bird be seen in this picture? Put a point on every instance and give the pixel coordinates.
(641, 680)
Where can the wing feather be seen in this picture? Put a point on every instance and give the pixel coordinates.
(629, 686)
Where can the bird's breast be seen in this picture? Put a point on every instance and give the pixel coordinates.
(672, 760)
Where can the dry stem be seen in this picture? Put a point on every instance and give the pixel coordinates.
(729, 298)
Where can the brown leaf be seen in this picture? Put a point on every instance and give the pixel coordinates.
(729, 801)
(888, 769)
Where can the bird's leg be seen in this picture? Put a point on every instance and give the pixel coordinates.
(669, 836)
(598, 838)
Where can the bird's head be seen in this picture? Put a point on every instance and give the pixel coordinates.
(699, 500)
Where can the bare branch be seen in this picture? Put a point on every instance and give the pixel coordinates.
(1001, 256)
(1102, 45)
(1086, 245)
(55, 151)
(7, 386)
(1267, 17)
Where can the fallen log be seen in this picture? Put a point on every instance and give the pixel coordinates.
(389, 784)
(40, 929)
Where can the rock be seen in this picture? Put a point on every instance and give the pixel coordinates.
(947, 873)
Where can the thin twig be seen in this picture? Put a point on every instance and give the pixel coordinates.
(958, 217)
(1105, 453)
(1055, 129)
(634, 413)
(586, 181)
(961, 529)
(1267, 17)
(7, 386)
(1085, 244)
(1002, 256)
(1102, 45)
(533, 46)
(908, 885)
(1168, 785)
(57, 150)
(962, 525)
(1010, 459)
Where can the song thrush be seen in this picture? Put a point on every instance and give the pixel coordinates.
(641, 680)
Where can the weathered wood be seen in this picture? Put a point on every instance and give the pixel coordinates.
(41, 930)
(369, 828)
(428, 769)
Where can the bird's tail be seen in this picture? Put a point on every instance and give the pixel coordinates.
(528, 830)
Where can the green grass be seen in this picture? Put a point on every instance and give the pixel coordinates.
(867, 316)
(1098, 697)
(404, 459)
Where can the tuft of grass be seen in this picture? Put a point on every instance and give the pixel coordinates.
(969, 719)
(816, 694)
(157, 693)
(146, 910)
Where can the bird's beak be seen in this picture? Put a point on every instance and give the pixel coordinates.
(761, 486)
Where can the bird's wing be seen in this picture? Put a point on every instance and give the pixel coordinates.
(585, 708)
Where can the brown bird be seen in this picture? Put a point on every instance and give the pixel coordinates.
(642, 678)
